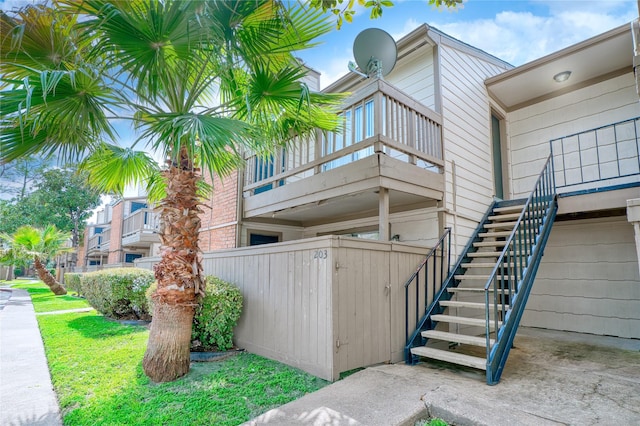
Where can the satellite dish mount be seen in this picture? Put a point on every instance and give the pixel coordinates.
(375, 52)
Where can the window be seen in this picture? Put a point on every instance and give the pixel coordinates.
(256, 239)
(135, 206)
(264, 169)
(130, 257)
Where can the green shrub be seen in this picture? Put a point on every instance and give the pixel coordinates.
(216, 316)
(119, 292)
(72, 282)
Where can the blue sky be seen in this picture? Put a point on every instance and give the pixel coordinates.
(515, 31)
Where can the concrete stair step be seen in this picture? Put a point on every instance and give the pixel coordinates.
(487, 254)
(480, 322)
(495, 234)
(457, 338)
(490, 244)
(500, 225)
(480, 265)
(452, 357)
(475, 277)
(471, 305)
(503, 217)
(466, 289)
(509, 209)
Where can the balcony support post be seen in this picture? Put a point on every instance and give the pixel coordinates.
(383, 214)
(633, 216)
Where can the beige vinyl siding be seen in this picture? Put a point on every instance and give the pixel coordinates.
(467, 137)
(532, 127)
(416, 77)
(588, 280)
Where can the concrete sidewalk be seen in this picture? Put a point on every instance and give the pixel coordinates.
(26, 393)
(551, 378)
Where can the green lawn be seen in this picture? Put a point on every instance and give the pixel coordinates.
(45, 301)
(96, 370)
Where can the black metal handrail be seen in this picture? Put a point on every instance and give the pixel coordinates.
(517, 265)
(424, 271)
(605, 153)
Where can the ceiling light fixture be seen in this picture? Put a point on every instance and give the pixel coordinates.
(562, 76)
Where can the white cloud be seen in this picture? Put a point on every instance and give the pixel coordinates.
(519, 37)
(409, 25)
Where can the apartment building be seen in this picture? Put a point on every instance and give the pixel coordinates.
(125, 230)
(461, 198)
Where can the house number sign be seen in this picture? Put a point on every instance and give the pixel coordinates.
(320, 254)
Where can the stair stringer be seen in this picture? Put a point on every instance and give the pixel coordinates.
(506, 334)
(426, 323)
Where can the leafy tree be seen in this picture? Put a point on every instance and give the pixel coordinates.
(344, 10)
(201, 81)
(40, 245)
(64, 199)
(14, 214)
(61, 197)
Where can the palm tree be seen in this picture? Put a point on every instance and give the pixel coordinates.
(40, 245)
(200, 81)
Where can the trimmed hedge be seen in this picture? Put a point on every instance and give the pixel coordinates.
(72, 282)
(119, 292)
(216, 315)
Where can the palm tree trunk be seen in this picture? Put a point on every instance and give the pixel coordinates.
(47, 278)
(179, 277)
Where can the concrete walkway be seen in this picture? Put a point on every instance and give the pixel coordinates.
(551, 378)
(26, 393)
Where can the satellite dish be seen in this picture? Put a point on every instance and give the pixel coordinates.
(375, 52)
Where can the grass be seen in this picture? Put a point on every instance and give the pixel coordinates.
(96, 370)
(45, 301)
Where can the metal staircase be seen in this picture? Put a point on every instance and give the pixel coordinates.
(472, 310)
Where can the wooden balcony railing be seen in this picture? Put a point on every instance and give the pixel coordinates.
(378, 118)
(139, 221)
(100, 241)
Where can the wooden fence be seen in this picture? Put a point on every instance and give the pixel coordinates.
(325, 305)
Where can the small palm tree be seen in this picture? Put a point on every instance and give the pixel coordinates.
(39, 245)
(201, 81)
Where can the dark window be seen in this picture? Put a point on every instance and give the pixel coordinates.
(258, 239)
(130, 257)
(137, 206)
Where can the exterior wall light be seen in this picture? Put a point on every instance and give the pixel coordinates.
(562, 76)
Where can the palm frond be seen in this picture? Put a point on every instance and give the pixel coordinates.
(54, 111)
(111, 168)
(39, 37)
(212, 141)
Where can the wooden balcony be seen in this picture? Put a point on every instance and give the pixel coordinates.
(388, 151)
(99, 243)
(140, 229)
